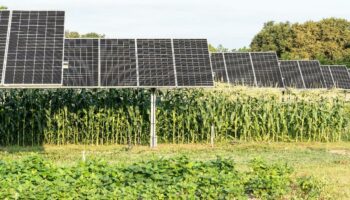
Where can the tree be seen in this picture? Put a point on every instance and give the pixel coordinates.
(212, 49)
(92, 35)
(3, 7)
(327, 40)
(273, 37)
(74, 34)
(222, 49)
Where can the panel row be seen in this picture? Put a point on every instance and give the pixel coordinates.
(248, 68)
(264, 69)
(137, 63)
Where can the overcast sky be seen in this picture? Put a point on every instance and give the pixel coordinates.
(228, 22)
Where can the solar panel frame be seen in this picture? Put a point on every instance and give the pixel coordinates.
(291, 74)
(83, 57)
(312, 74)
(327, 76)
(41, 64)
(5, 22)
(340, 76)
(267, 70)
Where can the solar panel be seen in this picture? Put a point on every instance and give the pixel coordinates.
(155, 62)
(118, 62)
(35, 51)
(266, 68)
(219, 67)
(291, 74)
(82, 56)
(4, 21)
(311, 72)
(192, 62)
(240, 69)
(340, 76)
(327, 76)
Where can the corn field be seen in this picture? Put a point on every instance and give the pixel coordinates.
(100, 117)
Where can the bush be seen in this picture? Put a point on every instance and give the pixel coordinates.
(268, 181)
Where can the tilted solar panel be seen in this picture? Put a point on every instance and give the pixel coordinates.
(192, 61)
(82, 56)
(35, 51)
(340, 76)
(219, 67)
(266, 68)
(155, 62)
(4, 22)
(118, 62)
(291, 74)
(327, 76)
(312, 74)
(240, 69)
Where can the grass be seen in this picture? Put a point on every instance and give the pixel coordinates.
(327, 161)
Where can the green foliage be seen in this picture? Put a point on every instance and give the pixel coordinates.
(212, 49)
(83, 116)
(326, 40)
(309, 187)
(177, 178)
(3, 7)
(74, 34)
(268, 181)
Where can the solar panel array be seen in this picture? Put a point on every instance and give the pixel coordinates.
(327, 76)
(35, 48)
(252, 69)
(291, 74)
(340, 76)
(141, 63)
(82, 56)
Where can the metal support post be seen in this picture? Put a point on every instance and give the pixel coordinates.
(153, 142)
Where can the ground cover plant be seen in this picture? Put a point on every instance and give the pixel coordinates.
(176, 178)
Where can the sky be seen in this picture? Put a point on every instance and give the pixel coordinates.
(228, 22)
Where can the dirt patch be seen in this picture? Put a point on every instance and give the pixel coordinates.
(340, 152)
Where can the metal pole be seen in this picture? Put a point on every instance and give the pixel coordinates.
(212, 136)
(153, 142)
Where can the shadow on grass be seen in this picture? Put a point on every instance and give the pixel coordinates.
(21, 149)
